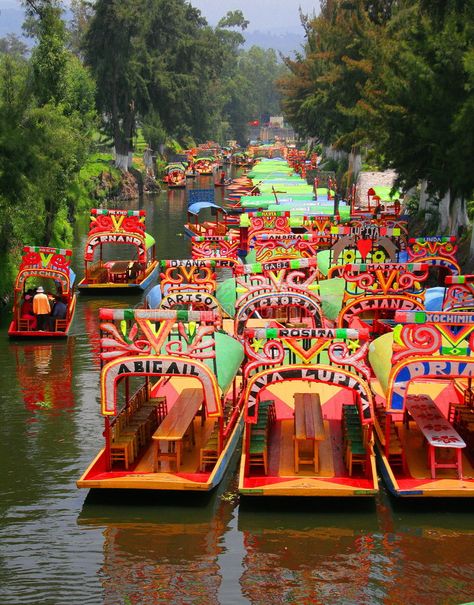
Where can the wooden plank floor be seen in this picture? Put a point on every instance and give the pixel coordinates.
(281, 453)
(190, 462)
(417, 457)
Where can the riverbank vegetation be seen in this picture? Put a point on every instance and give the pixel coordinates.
(119, 77)
(396, 78)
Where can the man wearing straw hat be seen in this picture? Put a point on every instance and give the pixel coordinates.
(41, 308)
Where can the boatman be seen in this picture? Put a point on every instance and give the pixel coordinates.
(41, 308)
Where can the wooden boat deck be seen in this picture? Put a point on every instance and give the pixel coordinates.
(332, 479)
(190, 459)
(142, 476)
(415, 480)
(281, 461)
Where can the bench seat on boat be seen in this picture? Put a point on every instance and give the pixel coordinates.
(134, 427)
(354, 438)
(24, 325)
(210, 452)
(259, 433)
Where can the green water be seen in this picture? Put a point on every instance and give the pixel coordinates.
(60, 546)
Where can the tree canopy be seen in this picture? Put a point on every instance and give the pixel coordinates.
(397, 76)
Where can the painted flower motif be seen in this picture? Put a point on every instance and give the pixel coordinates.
(446, 439)
(378, 256)
(436, 427)
(349, 256)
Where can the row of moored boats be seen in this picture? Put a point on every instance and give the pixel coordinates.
(318, 333)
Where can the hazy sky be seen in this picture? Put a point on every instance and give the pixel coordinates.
(262, 14)
(278, 16)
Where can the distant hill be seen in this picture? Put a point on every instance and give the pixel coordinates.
(285, 42)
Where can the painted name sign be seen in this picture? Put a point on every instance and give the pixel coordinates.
(186, 298)
(56, 275)
(320, 373)
(451, 318)
(263, 333)
(199, 263)
(113, 239)
(265, 237)
(423, 368)
(373, 303)
(366, 231)
(157, 366)
(286, 299)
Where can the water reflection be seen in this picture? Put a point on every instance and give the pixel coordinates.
(357, 557)
(44, 374)
(307, 557)
(164, 552)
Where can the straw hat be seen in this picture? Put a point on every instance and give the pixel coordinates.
(39, 289)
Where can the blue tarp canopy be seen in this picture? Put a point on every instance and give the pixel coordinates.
(198, 206)
(200, 195)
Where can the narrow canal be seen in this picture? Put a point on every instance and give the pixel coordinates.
(58, 545)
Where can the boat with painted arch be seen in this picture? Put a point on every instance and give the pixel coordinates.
(308, 414)
(49, 268)
(119, 254)
(170, 400)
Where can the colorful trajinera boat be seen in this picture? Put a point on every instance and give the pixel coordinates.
(308, 414)
(424, 413)
(175, 176)
(47, 269)
(205, 165)
(170, 398)
(205, 217)
(134, 266)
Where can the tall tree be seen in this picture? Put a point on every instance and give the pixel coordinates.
(418, 102)
(325, 82)
(156, 57)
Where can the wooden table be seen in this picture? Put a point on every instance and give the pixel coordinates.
(175, 425)
(437, 430)
(118, 271)
(309, 427)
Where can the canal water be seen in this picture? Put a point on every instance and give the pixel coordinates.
(59, 545)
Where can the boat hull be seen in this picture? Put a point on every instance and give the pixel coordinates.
(111, 286)
(308, 485)
(407, 486)
(96, 477)
(13, 332)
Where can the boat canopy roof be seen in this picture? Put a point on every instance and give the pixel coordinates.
(46, 262)
(198, 206)
(175, 166)
(213, 357)
(149, 241)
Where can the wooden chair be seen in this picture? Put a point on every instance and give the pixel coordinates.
(119, 278)
(121, 448)
(24, 325)
(160, 406)
(209, 454)
(354, 438)
(125, 432)
(61, 325)
(356, 453)
(258, 450)
(138, 425)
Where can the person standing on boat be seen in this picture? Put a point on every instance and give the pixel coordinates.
(41, 308)
(59, 312)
